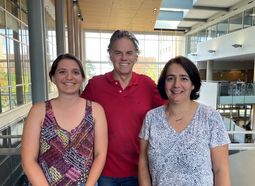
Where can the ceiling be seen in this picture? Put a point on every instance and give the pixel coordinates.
(132, 15)
(150, 15)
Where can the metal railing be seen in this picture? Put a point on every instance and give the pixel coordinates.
(11, 172)
(236, 89)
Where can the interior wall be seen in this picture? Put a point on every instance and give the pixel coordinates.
(223, 46)
(234, 75)
(242, 168)
(229, 71)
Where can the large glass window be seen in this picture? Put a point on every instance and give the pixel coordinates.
(149, 48)
(155, 51)
(211, 32)
(202, 35)
(97, 57)
(26, 73)
(23, 12)
(93, 55)
(2, 3)
(222, 28)
(13, 7)
(15, 73)
(239, 21)
(13, 27)
(4, 93)
(2, 22)
(192, 43)
(253, 17)
(24, 34)
(247, 18)
(15, 80)
(235, 23)
(51, 50)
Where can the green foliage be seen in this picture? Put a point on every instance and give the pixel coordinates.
(90, 70)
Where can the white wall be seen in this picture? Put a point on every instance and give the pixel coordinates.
(242, 168)
(228, 65)
(223, 45)
(208, 94)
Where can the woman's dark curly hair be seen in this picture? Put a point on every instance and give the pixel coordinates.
(191, 70)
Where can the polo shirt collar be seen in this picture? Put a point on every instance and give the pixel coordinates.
(134, 79)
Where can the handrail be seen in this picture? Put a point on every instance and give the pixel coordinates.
(240, 132)
(10, 136)
(242, 146)
(9, 151)
(13, 116)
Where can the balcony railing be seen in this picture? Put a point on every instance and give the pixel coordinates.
(11, 172)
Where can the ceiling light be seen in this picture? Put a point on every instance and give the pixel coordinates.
(211, 51)
(237, 45)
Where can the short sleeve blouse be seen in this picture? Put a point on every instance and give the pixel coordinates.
(183, 158)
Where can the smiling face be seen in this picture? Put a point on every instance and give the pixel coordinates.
(68, 77)
(123, 56)
(178, 85)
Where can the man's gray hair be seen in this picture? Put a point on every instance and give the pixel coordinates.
(119, 34)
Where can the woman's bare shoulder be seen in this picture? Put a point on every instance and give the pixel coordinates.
(97, 108)
(38, 106)
(38, 109)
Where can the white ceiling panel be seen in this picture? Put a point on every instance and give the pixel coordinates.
(216, 3)
(187, 24)
(203, 14)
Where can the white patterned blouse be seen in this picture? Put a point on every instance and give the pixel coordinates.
(183, 158)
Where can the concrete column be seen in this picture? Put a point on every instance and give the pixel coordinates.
(253, 106)
(209, 70)
(80, 39)
(76, 30)
(37, 50)
(82, 45)
(254, 70)
(70, 27)
(60, 25)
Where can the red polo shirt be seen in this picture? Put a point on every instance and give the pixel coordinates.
(125, 111)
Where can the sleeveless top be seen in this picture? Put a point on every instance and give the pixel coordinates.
(66, 157)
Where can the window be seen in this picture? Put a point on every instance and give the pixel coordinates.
(247, 18)
(211, 32)
(155, 51)
(15, 80)
(235, 23)
(222, 28)
(202, 35)
(192, 43)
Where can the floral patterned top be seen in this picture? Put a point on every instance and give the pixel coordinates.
(183, 158)
(66, 157)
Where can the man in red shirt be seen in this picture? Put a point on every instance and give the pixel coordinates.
(126, 97)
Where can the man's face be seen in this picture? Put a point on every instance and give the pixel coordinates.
(123, 56)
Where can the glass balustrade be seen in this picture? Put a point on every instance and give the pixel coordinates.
(236, 103)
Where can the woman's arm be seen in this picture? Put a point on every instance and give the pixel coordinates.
(220, 165)
(101, 143)
(143, 169)
(30, 145)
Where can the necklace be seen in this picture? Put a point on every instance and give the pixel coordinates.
(177, 118)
